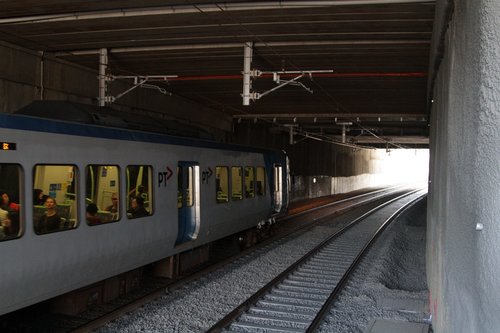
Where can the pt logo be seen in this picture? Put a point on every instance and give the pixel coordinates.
(205, 175)
(164, 176)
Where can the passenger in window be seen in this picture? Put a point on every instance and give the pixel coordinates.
(38, 197)
(137, 208)
(50, 221)
(7, 204)
(140, 191)
(113, 208)
(9, 223)
(92, 217)
(4, 222)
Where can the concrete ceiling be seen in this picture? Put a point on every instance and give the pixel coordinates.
(378, 51)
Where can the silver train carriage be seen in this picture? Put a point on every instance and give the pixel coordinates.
(82, 203)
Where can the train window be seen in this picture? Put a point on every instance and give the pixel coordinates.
(236, 183)
(260, 181)
(187, 188)
(139, 191)
(101, 194)
(222, 184)
(249, 182)
(10, 184)
(278, 187)
(179, 187)
(55, 198)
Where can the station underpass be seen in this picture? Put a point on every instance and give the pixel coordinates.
(391, 75)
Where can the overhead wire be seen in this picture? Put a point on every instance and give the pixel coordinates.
(336, 104)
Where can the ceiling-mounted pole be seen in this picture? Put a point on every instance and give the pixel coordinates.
(344, 124)
(103, 65)
(247, 66)
(42, 69)
(291, 133)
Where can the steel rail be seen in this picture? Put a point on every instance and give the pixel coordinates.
(230, 318)
(169, 287)
(382, 193)
(336, 292)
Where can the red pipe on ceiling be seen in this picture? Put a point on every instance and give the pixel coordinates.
(239, 77)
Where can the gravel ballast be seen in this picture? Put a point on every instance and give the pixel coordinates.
(390, 283)
(199, 304)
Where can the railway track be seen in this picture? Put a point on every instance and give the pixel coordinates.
(299, 298)
(312, 216)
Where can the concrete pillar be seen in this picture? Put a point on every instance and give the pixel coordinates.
(463, 243)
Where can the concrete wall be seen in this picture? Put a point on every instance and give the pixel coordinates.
(317, 168)
(26, 76)
(321, 168)
(398, 167)
(307, 187)
(312, 158)
(463, 261)
(309, 157)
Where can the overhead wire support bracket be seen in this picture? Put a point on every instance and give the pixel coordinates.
(281, 83)
(139, 81)
(248, 75)
(293, 82)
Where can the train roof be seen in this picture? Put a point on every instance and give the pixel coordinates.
(82, 127)
(107, 116)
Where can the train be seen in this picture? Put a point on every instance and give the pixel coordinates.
(85, 202)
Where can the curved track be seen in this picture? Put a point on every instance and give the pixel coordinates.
(297, 299)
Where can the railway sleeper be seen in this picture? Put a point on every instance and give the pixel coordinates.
(267, 320)
(298, 294)
(315, 291)
(257, 310)
(287, 306)
(251, 327)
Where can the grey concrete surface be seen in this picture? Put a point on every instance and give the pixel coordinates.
(394, 326)
(463, 255)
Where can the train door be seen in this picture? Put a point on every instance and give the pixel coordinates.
(278, 187)
(188, 201)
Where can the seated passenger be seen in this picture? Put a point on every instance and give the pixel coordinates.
(137, 208)
(10, 224)
(3, 214)
(140, 191)
(4, 223)
(50, 221)
(7, 204)
(113, 208)
(92, 218)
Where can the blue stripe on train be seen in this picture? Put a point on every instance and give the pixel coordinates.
(63, 127)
